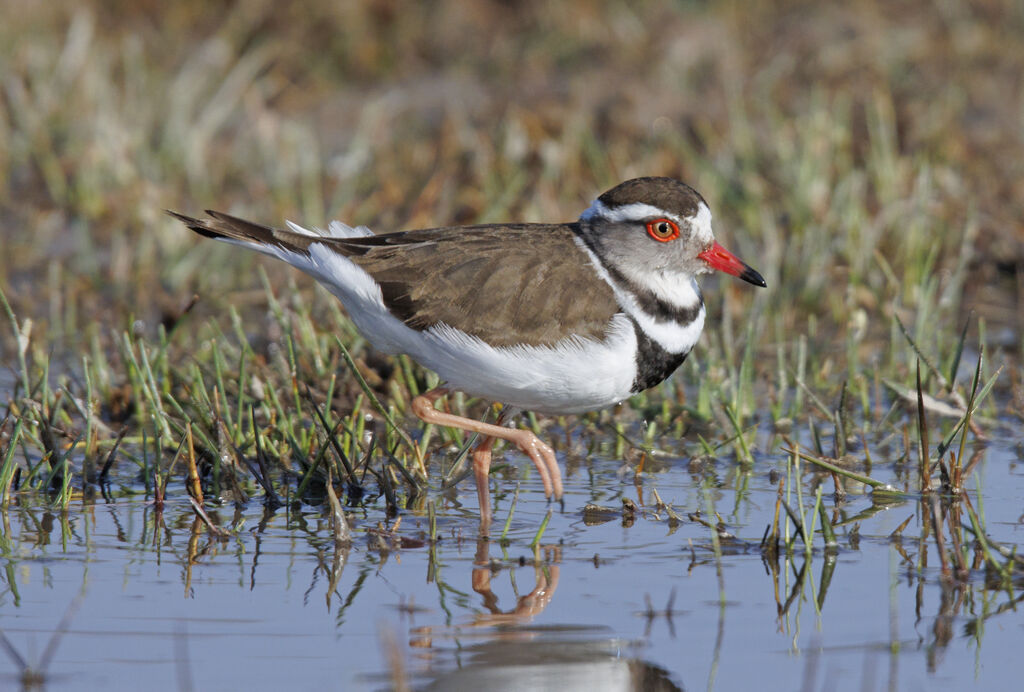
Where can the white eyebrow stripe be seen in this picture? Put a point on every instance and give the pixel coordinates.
(627, 212)
(702, 224)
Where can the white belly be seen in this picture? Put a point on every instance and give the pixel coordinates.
(572, 376)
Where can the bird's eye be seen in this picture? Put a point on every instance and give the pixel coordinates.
(663, 230)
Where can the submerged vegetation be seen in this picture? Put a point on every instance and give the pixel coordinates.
(868, 157)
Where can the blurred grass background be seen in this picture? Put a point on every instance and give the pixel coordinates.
(866, 157)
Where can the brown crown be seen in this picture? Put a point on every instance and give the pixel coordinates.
(665, 193)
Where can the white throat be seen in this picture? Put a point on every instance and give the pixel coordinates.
(678, 290)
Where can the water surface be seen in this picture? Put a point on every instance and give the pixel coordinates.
(153, 596)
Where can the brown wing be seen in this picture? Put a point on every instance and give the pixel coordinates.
(509, 284)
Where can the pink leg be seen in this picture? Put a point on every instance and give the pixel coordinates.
(542, 456)
(481, 470)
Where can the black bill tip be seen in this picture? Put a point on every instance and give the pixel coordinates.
(751, 276)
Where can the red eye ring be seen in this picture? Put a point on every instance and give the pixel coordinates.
(663, 230)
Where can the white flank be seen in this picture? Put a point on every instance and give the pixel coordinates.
(572, 376)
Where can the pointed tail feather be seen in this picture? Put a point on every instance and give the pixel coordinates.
(223, 226)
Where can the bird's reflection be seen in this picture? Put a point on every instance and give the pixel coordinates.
(528, 606)
(505, 647)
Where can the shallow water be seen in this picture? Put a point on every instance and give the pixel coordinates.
(155, 598)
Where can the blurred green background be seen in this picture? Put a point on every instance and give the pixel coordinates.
(866, 157)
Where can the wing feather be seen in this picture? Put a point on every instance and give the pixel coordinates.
(512, 284)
